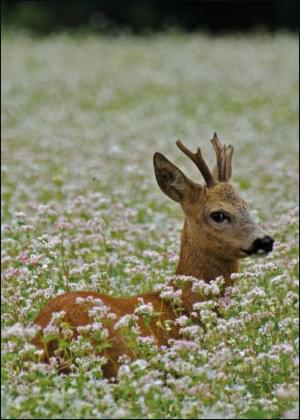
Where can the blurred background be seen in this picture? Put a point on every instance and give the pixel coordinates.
(91, 85)
(143, 16)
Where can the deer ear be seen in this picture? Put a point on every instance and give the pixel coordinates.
(171, 180)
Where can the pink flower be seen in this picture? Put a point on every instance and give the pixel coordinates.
(23, 257)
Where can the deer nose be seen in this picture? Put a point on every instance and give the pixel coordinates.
(263, 244)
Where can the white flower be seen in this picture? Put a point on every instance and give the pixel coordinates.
(125, 321)
(182, 320)
(140, 364)
(214, 289)
(191, 331)
(144, 308)
(79, 300)
(285, 393)
(18, 330)
(208, 304)
(170, 294)
(56, 316)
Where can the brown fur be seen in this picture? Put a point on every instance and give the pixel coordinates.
(208, 250)
(77, 315)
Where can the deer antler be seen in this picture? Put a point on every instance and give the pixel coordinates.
(199, 162)
(222, 171)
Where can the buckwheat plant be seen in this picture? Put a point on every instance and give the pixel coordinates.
(81, 119)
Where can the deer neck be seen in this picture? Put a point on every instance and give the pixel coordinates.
(196, 261)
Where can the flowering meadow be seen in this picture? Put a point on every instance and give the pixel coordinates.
(81, 210)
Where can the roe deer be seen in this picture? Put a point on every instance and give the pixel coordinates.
(218, 230)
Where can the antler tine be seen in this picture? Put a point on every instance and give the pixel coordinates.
(199, 162)
(224, 156)
(229, 154)
(220, 154)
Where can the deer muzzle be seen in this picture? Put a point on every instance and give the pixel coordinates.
(261, 246)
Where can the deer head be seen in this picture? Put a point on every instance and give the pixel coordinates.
(217, 219)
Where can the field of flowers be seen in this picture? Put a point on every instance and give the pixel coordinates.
(81, 210)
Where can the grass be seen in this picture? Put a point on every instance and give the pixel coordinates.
(81, 119)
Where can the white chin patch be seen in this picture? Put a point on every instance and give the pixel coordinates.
(260, 253)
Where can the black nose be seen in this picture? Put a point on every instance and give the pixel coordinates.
(265, 244)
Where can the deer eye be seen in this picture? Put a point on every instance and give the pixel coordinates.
(219, 216)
